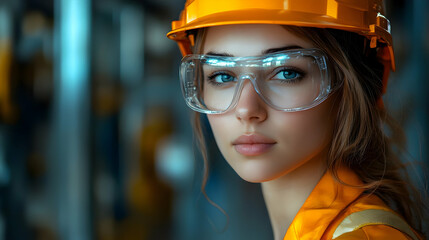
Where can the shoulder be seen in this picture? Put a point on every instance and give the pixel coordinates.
(374, 232)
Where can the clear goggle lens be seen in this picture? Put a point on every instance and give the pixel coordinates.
(292, 80)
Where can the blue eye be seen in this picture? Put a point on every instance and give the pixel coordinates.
(221, 78)
(225, 78)
(287, 75)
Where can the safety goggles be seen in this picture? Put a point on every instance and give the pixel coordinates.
(291, 80)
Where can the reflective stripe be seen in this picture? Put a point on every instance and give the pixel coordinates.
(373, 217)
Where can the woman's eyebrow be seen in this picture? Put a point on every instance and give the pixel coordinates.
(271, 50)
(274, 50)
(211, 53)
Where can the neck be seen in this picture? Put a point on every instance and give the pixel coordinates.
(285, 195)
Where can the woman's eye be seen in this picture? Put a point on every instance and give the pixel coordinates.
(287, 74)
(221, 78)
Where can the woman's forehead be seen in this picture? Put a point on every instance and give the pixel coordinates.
(250, 40)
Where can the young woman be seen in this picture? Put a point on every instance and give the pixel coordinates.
(292, 91)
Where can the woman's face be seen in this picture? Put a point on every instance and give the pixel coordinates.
(259, 142)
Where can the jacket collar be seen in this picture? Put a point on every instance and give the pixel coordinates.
(325, 202)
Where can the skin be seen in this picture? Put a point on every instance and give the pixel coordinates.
(291, 168)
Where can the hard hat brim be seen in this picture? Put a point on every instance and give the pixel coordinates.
(262, 16)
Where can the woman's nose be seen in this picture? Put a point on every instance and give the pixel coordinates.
(250, 107)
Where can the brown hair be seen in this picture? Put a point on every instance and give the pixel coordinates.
(359, 140)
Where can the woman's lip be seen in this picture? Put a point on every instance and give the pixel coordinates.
(253, 139)
(253, 149)
(253, 145)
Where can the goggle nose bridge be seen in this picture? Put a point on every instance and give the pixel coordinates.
(239, 90)
(250, 76)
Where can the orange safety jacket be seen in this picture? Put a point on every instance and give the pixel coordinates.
(331, 202)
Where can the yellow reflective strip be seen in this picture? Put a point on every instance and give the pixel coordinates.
(373, 217)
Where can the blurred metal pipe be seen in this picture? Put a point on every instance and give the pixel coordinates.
(418, 61)
(71, 118)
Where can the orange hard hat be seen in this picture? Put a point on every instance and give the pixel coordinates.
(365, 17)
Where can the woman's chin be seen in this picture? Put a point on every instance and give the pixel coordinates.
(258, 174)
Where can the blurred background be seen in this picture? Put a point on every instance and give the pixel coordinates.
(96, 141)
